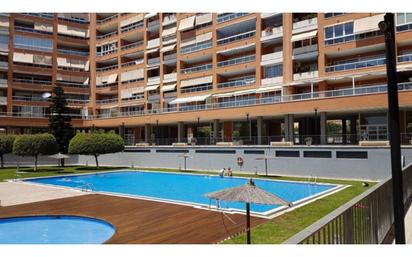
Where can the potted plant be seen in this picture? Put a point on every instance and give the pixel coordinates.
(308, 141)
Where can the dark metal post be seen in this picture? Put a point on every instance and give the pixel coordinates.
(248, 223)
(388, 28)
(266, 166)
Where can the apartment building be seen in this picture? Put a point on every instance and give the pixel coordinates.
(163, 78)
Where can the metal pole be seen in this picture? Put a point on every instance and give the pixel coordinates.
(266, 166)
(248, 223)
(387, 27)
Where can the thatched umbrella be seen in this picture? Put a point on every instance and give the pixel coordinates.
(59, 156)
(248, 193)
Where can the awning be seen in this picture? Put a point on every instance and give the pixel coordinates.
(367, 24)
(101, 80)
(24, 58)
(198, 98)
(235, 93)
(187, 23)
(132, 75)
(151, 88)
(168, 32)
(196, 81)
(152, 50)
(204, 18)
(4, 22)
(150, 15)
(112, 78)
(236, 48)
(204, 37)
(303, 36)
(131, 20)
(269, 89)
(168, 48)
(166, 88)
(128, 92)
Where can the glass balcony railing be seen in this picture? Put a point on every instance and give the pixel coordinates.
(237, 37)
(405, 57)
(72, 52)
(238, 83)
(199, 68)
(32, 30)
(404, 27)
(239, 60)
(196, 47)
(196, 89)
(352, 65)
(352, 37)
(229, 16)
(32, 81)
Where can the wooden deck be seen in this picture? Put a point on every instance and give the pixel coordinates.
(141, 221)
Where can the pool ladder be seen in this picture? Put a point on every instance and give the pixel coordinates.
(313, 180)
(87, 187)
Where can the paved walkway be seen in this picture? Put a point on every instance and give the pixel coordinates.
(14, 193)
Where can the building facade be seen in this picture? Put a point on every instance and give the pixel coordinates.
(204, 78)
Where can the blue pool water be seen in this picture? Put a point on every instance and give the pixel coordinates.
(54, 230)
(183, 187)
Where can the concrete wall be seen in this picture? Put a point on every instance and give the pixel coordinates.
(375, 166)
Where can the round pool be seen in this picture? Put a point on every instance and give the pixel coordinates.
(52, 229)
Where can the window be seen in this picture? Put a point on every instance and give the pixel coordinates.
(33, 43)
(332, 14)
(403, 21)
(339, 33)
(273, 71)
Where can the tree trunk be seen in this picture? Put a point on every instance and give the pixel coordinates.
(97, 161)
(35, 163)
(2, 161)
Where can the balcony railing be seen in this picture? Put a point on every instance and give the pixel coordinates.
(306, 75)
(107, 101)
(107, 35)
(405, 58)
(132, 63)
(237, 37)
(3, 83)
(305, 51)
(3, 100)
(107, 19)
(33, 47)
(78, 101)
(272, 33)
(357, 64)
(32, 30)
(239, 60)
(132, 26)
(152, 24)
(153, 61)
(352, 37)
(72, 84)
(153, 80)
(72, 52)
(132, 45)
(272, 58)
(30, 98)
(75, 20)
(196, 89)
(112, 67)
(170, 77)
(32, 81)
(4, 65)
(305, 25)
(106, 52)
(229, 16)
(169, 57)
(196, 47)
(40, 14)
(199, 68)
(404, 27)
(237, 83)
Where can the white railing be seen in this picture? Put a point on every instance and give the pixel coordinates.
(3, 100)
(171, 77)
(153, 43)
(271, 33)
(3, 83)
(276, 57)
(306, 75)
(305, 50)
(274, 80)
(305, 25)
(153, 80)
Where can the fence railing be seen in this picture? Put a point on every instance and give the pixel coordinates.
(367, 219)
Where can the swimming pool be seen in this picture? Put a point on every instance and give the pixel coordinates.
(185, 188)
(54, 230)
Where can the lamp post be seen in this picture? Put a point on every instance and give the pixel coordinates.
(387, 27)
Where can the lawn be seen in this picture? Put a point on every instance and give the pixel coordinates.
(274, 231)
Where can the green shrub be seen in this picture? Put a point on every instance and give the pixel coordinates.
(35, 145)
(96, 143)
(6, 146)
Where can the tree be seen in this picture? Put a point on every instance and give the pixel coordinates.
(96, 143)
(6, 146)
(35, 145)
(59, 120)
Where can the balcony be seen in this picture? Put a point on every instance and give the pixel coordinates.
(72, 52)
(271, 81)
(235, 61)
(272, 58)
(229, 16)
(153, 61)
(132, 63)
(103, 69)
(72, 84)
(3, 100)
(238, 83)
(405, 57)
(171, 77)
(107, 35)
(404, 27)
(105, 20)
(132, 45)
(196, 89)
(77, 101)
(167, 20)
(268, 14)
(357, 64)
(131, 27)
(3, 83)
(271, 34)
(196, 47)
(169, 57)
(152, 25)
(154, 98)
(306, 52)
(153, 80)
(234, 38)
(153, 43)
(4, 65)
(198, 68)
(107, 101)
(32, 30)
(32, 81)
(305, 25)
(30, 98)
(306, 75)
